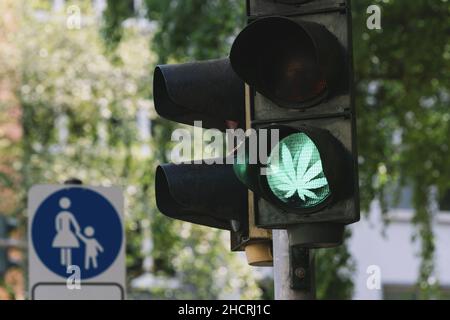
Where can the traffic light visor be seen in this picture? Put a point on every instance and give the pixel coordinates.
(205, 194)
(207, 91)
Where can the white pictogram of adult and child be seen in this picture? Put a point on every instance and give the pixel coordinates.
(68, 236)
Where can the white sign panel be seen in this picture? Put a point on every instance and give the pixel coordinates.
(76, 243)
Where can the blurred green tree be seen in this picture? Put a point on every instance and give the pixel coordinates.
(402, 100)
(403, 122)
(403, 111)
(200, 29)
(81, 105)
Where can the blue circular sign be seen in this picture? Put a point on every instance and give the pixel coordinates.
(77, 226)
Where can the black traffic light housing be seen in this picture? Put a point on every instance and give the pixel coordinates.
(297, 58)
(336, 165)
(297, 78)
(208, 195)
(207, 91)
(205, 193)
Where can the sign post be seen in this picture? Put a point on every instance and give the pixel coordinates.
(76, 243)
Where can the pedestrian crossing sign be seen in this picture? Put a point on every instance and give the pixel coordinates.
(76, 242)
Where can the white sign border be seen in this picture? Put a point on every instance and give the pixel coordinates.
(36, 195)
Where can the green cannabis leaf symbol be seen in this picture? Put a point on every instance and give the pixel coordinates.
(301, 178)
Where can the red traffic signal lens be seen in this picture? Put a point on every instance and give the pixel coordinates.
(294, 63)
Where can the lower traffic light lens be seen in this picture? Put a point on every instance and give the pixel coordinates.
(295, 174)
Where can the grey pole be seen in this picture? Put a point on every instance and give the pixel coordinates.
(289, 273)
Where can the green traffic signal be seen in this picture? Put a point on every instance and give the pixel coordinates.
(305, 171)
(295, 174)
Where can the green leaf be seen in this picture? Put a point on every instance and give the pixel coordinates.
(287, 161)
(303, 161)
(307, 193)
(315, 184)
(312, 172)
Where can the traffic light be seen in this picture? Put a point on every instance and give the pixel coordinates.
(297, 58)
(205, 192)
(289, 76)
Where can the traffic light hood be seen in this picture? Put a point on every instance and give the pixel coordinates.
(209, 91)
(208, 195)
(294, 63)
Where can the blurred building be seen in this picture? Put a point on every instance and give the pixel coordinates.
(390, 250)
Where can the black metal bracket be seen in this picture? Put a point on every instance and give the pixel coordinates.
(300, 269)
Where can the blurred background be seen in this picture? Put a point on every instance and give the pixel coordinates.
(76, 101)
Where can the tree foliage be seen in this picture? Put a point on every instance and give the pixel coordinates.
(199, 29)
(80, 109)
(403, 115)
(79, 115)
(195, 29)
(402, 99)
(116, 13)
(402, 83)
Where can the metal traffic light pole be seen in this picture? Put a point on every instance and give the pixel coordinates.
(293, 269)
